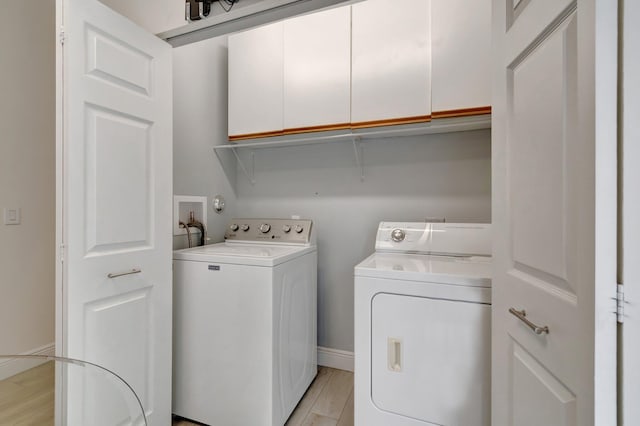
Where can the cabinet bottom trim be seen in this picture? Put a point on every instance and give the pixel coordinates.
(463, 112)
(292, 131)
(323, 128)
(233, 138)
(391, 122)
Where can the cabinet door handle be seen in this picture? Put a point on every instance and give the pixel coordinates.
(522, 316)
(119, 274)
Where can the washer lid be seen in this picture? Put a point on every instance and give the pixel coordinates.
(243, 254)
(467, 271)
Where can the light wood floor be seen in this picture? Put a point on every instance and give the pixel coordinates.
(327, 402)
(28, 398)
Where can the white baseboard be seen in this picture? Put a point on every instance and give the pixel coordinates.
(12, 366)
(335, 358)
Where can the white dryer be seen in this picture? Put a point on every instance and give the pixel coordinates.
(245, 346)
(422, 326)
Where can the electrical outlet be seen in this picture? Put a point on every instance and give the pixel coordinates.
(11, 216)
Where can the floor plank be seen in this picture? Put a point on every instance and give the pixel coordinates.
(346, 418)
(306, 403)
(28, 398)
(333, 398)
(314, 419)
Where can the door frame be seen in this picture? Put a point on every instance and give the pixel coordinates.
(605, 92)
(60, 403)
(629, 204)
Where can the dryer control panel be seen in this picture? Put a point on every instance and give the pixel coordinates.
(456, 239)
(274, 231)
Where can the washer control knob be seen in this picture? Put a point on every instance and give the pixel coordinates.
(298, 229)
(233, 227)
(397, 235)
(245, 227)
(286, 228)
(264, 228)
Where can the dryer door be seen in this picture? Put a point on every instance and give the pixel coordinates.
(430, 359)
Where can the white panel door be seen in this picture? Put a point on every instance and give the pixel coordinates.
(255, 81)
(460, 56)
(391, 62)
(317, 67)
(554, 212)
(115, 197)
(630, 273)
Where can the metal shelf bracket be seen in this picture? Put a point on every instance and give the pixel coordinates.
(250, 176)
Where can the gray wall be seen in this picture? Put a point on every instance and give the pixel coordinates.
(199, 123)
(446, 175)
(27, 175)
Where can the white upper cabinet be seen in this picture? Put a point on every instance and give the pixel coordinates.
(256, 82)
(317, 67)
(391, 62)
(374, 63)
(461, 57)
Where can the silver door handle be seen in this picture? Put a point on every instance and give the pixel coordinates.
(522, 316)
(119, 274)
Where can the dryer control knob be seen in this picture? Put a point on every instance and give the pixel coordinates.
(233, 227)
(299, 229)
(286, 228)
(397, 235)
(245, 227)
(264, 228)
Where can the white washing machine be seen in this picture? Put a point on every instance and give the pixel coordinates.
(422, 326)
(245, 346)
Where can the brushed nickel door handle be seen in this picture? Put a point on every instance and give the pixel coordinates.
(120, 274)
(522, 316)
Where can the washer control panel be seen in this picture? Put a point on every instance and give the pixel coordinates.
(280, 231)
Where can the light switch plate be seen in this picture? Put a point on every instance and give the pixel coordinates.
(11, 216)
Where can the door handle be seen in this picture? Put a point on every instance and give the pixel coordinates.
(522, 316)
(119, 274)
(394, 354)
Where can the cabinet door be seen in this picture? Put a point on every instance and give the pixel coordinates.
(461, 57)
(317, 62)
(391, 62)
(255, 82)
